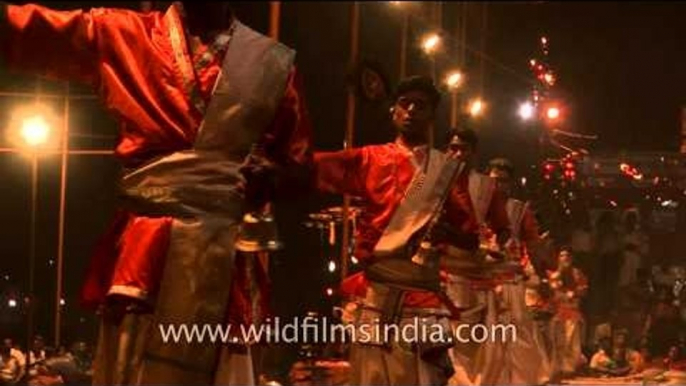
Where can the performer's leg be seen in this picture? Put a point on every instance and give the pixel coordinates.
(462, 357)
(194, 292)
(106, 351)
(368, 365)
(235, 366)
(490, 366)
(124, 326)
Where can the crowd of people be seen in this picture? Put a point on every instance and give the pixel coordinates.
(633, 313)
(45, 365)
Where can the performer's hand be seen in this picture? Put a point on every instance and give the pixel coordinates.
(258, 164)
(261, 174)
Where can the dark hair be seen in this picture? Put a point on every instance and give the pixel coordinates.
(566, 248)
(466, 135)
(419, 83)
(502, 164)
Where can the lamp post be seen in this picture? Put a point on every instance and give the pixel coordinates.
(453, 81)
(349, 130)
(33, 136)
(430, 45)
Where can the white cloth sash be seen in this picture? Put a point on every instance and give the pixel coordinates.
(481, 188)
(419, 204)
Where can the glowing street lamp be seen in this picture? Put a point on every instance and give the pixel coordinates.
(454, 80)
(526, 111)
(30, 128)
(553, 113)
(476, 107)
(35, 131)
(431, 43)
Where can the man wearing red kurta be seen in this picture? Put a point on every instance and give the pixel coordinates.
(194, 91)
(383, 175)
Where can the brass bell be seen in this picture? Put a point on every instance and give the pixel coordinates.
(258, 233)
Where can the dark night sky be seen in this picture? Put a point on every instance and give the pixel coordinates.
(619, 67)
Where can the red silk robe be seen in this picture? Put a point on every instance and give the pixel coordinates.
(380, 175)
(128, 58)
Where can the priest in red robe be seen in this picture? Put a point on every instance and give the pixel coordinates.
(384, 177)
(194, 91)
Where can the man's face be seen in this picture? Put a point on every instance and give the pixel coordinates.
(503, 180)
(38, 344)
(565, 260)
(413, 114)
(619, 341)
(461, 150)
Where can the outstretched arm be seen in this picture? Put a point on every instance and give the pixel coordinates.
(46, 42)
(341, 172)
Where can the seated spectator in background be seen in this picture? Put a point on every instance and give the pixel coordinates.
(10, 368)
(15, 352)
(37, 352)
(663, 323)
(614, 358)
(36, 355)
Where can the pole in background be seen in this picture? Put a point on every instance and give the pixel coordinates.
(32, 258)
(484, 29)
(32, 247)
(403, 44)
(349, 130)
(463, 33)
(62, 217)
(274, 19)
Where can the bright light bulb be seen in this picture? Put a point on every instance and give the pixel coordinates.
(453, 79)
(12, 303)
(35, 131)
(431, 43)
(332, 266)
(476, 107)
(553, 113)
(549, 78)
(62, 302)
(526, 111)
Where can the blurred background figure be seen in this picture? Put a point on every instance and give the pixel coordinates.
(635, 249)
(569, 286)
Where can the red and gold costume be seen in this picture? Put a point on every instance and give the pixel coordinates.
(569, 286)
(160, 88)
(381, 175)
